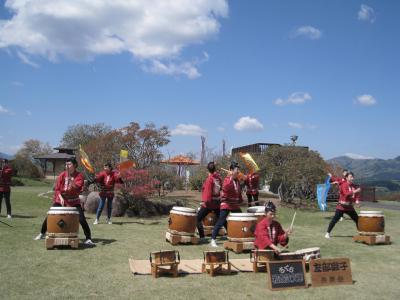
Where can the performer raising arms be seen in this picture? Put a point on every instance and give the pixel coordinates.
(252, 181)
(269, 233)
(66, 193)
(107, 180)
(348, 195)
(5, 183)
(210, 197)
(230, 200)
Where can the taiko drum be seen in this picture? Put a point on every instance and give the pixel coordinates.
(241, 227)
(63, 222)
(258, 211)
(182, 220)
(371, 223)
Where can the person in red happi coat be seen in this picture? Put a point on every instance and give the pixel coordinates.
(66, 193)
(269, 232)
(348, 196)
(230, 199)
(107, 180)
(252, 181)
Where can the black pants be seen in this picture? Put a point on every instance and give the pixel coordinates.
(202, 213)
(222, 221)
(250, 199)
(6, 196)
(82, 221)
(338, 214)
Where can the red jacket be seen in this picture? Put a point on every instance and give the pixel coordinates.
(231, 194)
(252, 182)
(269, 233)
(69, 190)
(339, 180)
(5, 179)
(107, 182)
(346, 197)
(211, 192)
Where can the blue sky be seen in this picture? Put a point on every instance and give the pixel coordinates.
(243, 71)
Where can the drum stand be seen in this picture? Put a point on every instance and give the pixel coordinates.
(239, 247)
(260, 259)
(176, 239)
(372, 239)
(158, 269)
(54, 241)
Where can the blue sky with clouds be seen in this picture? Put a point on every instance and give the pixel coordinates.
(243, 71)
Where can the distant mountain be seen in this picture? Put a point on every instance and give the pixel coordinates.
(380, 172)
(4, 155)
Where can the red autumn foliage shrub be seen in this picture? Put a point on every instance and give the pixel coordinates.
(138, 184)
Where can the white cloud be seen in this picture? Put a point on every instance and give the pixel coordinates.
(309, 32)
(25, 59)
(188, 68)
(3, 110)
(17, 83)
(294, 98)
(188, 129)
(155, 32)
(366, 13)
(366, 100)
(29, 113)
(296, 125)
(357, 156)
(248, 124)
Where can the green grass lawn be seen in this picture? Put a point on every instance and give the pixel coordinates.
(29, 271)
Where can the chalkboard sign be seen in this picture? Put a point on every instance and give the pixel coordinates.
(286, 274)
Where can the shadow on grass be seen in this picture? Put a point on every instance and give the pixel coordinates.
(137, 222)
(104, 241)
(23, 217)
(342, 236)
(6, 224)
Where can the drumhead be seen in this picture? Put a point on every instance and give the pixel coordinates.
(241, 217)
(370, 213)
(56, 210)
(256, 209)
(184, 211)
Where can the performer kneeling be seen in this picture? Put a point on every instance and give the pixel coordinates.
(230, 200)
(269, 233)
(66, 193)
(210, 197)
(107, 180)
(348, 195)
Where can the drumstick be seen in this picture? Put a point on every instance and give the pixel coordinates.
(291, 225)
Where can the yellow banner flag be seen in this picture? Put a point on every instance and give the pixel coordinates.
(123, 154)
(249, 161)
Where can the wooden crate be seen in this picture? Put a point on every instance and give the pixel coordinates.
(239, 247)
(176, 239)
(72, 242)
(372, 239)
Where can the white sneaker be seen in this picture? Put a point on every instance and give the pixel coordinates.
(89, 242)
(109, 221)
(96, 222)
(327, 235)
(9, 217)
(213, 243)
(40, 236)
(341, 219)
